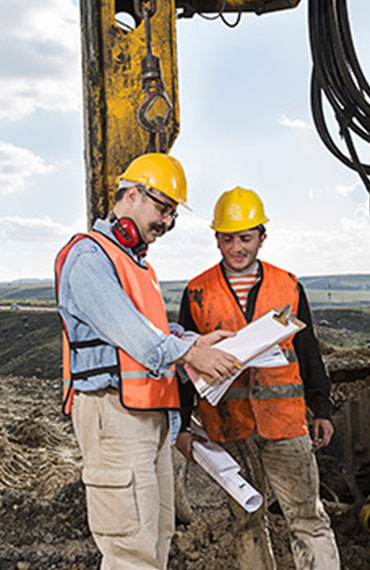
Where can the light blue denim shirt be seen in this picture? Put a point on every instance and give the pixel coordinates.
(93, 305)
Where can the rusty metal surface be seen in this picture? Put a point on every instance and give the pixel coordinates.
(112, 87)
(257, 6)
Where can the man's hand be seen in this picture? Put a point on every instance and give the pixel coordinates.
(212, 338)
(184, 443)
(322, 432)
(211, 363)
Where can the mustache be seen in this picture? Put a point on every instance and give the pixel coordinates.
(159, 227)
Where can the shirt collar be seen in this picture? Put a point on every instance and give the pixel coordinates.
(106, 229)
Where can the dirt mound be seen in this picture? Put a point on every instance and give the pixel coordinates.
(42, 503)
(30, 343)
(30, 340)
(343, 328)
(354, 320)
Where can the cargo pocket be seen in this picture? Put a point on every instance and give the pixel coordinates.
(111, 501)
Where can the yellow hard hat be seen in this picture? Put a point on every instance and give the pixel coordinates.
(237, 210)
(159, 171)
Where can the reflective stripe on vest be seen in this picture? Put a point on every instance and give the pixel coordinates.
(290, 354)
(269, 400)
(144, 374)
(139, 389)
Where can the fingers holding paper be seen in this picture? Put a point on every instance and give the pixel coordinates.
(213, 337)
(211, 363)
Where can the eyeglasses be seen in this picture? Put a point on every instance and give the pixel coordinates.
(166, 210)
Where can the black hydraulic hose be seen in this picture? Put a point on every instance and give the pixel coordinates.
(350, 50)
(337, 75)
(342, 63)
(353, 162)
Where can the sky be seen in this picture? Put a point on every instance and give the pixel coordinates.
(245, 121)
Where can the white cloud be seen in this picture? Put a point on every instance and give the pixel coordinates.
(318, 252)
(346, 190)
(187, 250)
(18, 98)
(314, 192)
(16, 229)
(353, 191)
(293, 123)
(360, 223)
(191, 248)
(31, 245)
(39, 57)
(18, 166)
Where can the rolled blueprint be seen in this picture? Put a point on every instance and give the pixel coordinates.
(223, 468)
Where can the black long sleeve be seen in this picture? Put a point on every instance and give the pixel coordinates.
(315, 380)
(186, 390)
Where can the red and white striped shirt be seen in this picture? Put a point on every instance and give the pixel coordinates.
(242, 283)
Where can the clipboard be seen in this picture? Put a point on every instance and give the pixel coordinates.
(250, 343)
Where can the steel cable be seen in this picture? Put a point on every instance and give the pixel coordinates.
(189, 11)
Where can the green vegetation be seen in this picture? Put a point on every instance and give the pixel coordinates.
(20, 291)
(338, 297)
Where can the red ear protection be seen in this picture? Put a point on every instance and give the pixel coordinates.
(127, 233)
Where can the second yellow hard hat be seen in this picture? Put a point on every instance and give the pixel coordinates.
(237, 210)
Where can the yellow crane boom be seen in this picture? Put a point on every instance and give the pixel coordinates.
(130, 85)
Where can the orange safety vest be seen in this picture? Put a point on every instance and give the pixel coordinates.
(270, 400)
(139, 389)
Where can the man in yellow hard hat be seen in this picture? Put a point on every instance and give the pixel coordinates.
(261, 419)
(119, 366)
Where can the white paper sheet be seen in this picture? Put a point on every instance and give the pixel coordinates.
(258, 336)
(254, 345)
(214, 392)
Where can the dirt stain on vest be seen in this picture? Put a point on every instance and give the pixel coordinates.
(226, 423)
(196, 296)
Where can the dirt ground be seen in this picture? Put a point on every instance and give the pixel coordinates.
(42, 505)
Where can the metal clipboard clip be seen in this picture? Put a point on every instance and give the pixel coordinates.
(284, 315)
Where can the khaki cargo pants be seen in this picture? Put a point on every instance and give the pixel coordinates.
(291, 468)
(129, 481)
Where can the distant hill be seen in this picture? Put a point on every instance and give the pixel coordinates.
(27, 290)
(349, 290)
(347, 282)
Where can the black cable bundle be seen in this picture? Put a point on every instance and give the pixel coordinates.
(337, 73)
